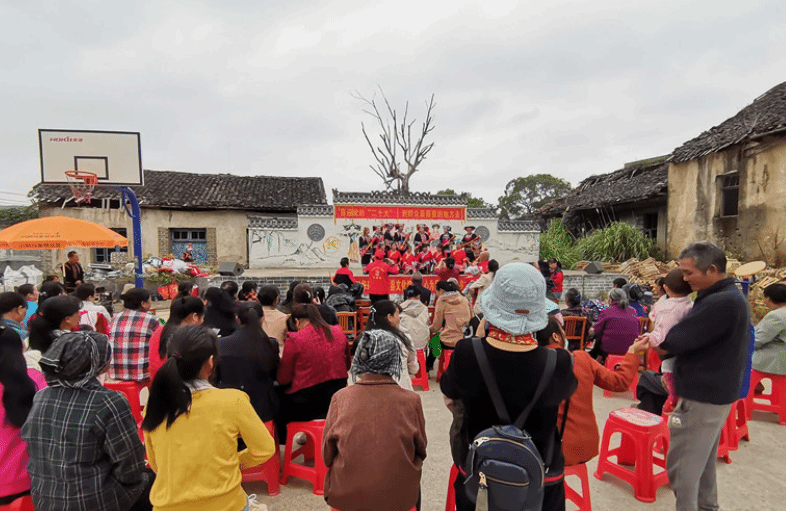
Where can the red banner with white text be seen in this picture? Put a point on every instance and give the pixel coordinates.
(399, 284)
(400, 212)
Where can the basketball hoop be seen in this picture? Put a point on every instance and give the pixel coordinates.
(81, 183)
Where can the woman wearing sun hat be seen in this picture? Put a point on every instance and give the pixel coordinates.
(514, 308)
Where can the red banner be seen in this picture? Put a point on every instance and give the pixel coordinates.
(399, 283)
(400, 212)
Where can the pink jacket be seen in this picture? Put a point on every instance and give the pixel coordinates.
(665, 314)
(13, 450)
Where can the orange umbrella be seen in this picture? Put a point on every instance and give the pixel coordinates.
(59, 232)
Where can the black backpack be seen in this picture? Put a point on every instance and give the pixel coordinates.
(505, 471)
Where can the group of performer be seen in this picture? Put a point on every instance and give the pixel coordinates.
(422, 251)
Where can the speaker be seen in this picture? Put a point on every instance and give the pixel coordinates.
(230, 270)
(594, 268)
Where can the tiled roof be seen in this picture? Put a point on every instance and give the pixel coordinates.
(426, 199)
(481, 213)
(170, 189)
(634, 183)
(766, 115)
(518, 226)
(315, 210)
(272, 223)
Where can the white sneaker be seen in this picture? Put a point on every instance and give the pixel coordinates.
(254, 504)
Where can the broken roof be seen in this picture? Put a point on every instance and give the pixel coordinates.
(766, 115)
(170, 189)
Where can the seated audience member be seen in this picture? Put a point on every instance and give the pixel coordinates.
(192, 428)
(130, 334)
(665, 315)
(635, 295)
(220, 312)
(619, 283)
(184, 289)
(616, 329)
(340, 299)
(49, 289)
(30, 294)
(231, 289)
(514, 308)
(657, 289)
(248, 291)
(551, 287)
(313, 367)
(480, 285)
(286, 305)
(17, 387)
(374, 427)
(183, 311)
(274, 322)
(425, 294)
(451, 314)
(415, 319)
(305, 294)
(344, 275)
(446, 269)
(248, 361)
(770, 350)
(383, 320)
(92, 315)
(13, 308)
(574, 308)
(92, 459)
(581, 438)
(56, 316)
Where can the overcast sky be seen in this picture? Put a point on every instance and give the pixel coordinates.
(549, 86)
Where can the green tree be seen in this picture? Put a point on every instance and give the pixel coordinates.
(524, 195)
(14, 215)
(472, 202)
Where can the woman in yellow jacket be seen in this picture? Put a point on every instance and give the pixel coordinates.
(191, 431)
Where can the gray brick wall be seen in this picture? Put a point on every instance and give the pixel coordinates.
(591, 286)
(282, 283)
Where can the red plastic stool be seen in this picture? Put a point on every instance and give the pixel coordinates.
(723, 445)
(653, 360)
(583, 501)
(311, 451)
(641, 431)
(422, 377)
(131, 390)
(21, 504)
(613, 360)
(268, 471)
(450, 501)
(444, 361)
(775, 400)
(737, 424)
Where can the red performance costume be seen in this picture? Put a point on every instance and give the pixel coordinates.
(378, 271)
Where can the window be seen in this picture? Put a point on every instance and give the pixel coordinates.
(197, 238)
(651, 225)
(104, 255)
(188, 235)
(730, 194)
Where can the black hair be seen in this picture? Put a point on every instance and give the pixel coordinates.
(26, 289)
(573, 297)
(191, 346)
(246, 289)
(18, 388)
(776, 293)
(619, 282)
(450, 262)
(267, 295)
(378, 320)
(10, 300)
(310, 312)
(51, 315)
(344, 262)
(220, 301)
(134, 298)
(320, 292)
(676, 283)
(184, 289)
(71, 253)
(303, 293)
(230, 288)
(446, 286)
(288, 299)
(85, 291)
(493, 266)
(50, 289)
(417, 277)
(551, 328)
(543, 266)
(179, 310)
(254, 342)
(411, 292)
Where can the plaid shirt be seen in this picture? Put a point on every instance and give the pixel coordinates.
(84, 448)
(129, 335)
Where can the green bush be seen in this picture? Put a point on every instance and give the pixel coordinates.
(556, 242)
(616, 243)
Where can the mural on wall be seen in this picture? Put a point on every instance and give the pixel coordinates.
(352, 233)
(274, 248)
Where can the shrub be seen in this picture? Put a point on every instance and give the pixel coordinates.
(616, 243)
(558, 243)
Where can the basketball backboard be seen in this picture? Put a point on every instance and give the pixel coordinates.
(114, 156)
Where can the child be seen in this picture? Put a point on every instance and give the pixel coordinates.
(665, 315)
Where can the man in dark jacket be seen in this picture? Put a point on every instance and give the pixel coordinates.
(425, 294)
(711, 347)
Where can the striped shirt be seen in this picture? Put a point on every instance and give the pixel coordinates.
(130, 335)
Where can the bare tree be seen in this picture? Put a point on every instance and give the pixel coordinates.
(395, 137)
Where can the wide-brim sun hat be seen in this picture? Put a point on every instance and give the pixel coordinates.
(515, 300)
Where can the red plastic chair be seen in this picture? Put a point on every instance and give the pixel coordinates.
(613, 360)
(311, 451)
(269, 470)
(21, 504)
(653, 361)
(444, 361)
(643, 435)
(450, 501)
(737, 424)
(421, 378)
(774, 402)
(583, 500)
(131, 390)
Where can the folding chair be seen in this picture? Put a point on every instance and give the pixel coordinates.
(575, 328)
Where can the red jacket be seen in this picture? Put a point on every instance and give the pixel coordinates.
(378, 280)
(557, 276)
(310, 358)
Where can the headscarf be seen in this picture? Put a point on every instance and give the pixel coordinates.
(76, 358)
(378, 352)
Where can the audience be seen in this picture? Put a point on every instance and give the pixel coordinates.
(616, 329)
(30, 293)
(220, 311)
(770, 351)
(183, 311)
(130, 335)
(383, 321)
(425, 293)
(274, 322)
(191, 430)
(93, 315)
(248, 291)
(451, 314)
(415, 320)
(230, 288)
(56, 316)
(13, 308)
(286, 305)
(344, 275)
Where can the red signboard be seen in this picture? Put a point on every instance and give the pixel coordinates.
(399, 283)
(400, 212)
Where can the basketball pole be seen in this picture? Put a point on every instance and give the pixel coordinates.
(129, 197)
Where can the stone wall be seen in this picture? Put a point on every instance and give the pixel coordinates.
(589, 285)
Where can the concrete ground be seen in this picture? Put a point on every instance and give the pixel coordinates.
(753, 481)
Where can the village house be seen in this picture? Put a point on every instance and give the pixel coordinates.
(728, 185)
(210, 211)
